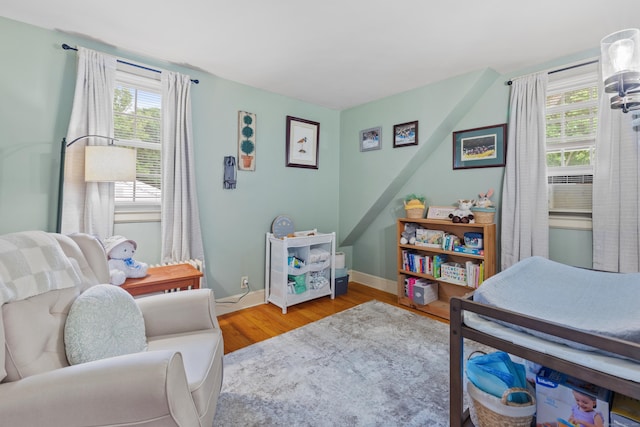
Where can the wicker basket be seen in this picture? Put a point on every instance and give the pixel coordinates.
(489, 411)
(483, 215)
(415, 213)
(414, 210)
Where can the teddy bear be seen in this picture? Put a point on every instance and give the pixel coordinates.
(409, 234)
(463, 213)
(120, 251)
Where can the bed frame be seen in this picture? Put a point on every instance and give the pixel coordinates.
(459, 416)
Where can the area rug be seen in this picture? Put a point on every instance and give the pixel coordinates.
(371, 365)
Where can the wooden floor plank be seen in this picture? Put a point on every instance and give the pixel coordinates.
(254, 324)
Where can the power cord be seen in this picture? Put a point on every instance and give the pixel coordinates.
(239, 298)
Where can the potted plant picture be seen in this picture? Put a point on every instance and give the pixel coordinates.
(246, 136)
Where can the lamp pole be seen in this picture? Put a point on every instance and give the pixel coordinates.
(63, 151)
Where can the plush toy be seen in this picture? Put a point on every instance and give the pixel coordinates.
(120, 258)
(409, 234)
(483, 201)
(463, 212)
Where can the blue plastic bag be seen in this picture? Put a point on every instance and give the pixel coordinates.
(494, 373)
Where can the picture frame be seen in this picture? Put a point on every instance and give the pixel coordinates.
(405, 134)
(246, 141)
(303, 138)
(371, 139)
(440, 212)
(483, 147)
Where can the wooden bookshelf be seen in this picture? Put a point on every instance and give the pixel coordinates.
(446, 289)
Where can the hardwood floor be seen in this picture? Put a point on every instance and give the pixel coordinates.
(250, 325)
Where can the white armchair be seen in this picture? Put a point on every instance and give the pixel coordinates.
(175, 382)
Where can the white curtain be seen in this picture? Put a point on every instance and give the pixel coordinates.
(525, 221)
(181, 232)
(88, 207)
(616, 192)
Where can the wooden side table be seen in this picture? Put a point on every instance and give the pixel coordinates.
(164, 278)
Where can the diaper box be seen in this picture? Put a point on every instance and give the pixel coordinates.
(425, 292)
(625, 411)
(563, 401)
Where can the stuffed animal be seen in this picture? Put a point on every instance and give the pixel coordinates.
(120, 258)
(409, 234)
(463, 213)
(483, 201)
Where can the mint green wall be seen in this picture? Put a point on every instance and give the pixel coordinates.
(37, 82)
(358, 192)
(370, 205)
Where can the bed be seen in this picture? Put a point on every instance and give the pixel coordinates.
(596, 339)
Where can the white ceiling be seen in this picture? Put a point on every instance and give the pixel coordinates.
(338, 53)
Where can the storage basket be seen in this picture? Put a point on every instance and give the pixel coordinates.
(489, 411)
(483, 215)
(415, 213)
(453, 272)
(415, 209)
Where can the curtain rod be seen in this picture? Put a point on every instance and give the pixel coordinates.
(67, 47)
(570, 67)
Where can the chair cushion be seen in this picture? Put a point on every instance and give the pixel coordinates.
(104, 321)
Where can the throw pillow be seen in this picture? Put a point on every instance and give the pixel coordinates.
(104, 321)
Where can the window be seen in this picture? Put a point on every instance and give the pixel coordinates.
(137, 123)
(571, 123)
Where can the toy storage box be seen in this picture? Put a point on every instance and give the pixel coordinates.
(555, 399)
(625, 411)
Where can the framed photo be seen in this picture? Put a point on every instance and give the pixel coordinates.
(440, 212)
(371, 139)
(405, 134)
(303, 138)
(246, 141)
(483, 147)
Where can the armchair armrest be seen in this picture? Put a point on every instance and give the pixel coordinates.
(124, 390)
(178, 312)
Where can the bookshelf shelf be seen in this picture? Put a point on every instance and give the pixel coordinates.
(446, 288)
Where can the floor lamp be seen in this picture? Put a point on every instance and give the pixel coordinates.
(102, 163)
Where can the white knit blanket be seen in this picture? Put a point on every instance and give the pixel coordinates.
(32, 263)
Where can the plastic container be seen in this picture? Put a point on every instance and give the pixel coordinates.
(473, 240)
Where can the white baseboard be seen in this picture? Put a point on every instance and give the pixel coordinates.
(229, 304)
(375, 282)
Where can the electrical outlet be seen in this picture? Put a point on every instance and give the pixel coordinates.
(244, 282)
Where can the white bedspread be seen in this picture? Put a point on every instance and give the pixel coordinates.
(32, 263)
(595, 302)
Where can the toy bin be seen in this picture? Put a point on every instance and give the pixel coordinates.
(342, 283)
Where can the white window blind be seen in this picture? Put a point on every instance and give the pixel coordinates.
(137, 124)
(571, 124)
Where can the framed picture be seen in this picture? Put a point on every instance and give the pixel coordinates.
(483, 147)
(303, 138)
(246, 141)
(371, 139)
(405, 134)
(440, 212)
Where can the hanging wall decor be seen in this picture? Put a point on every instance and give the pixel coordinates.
(246, 141)
(302, 143)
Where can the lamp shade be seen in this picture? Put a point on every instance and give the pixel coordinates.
(109, 163)
(620, 61)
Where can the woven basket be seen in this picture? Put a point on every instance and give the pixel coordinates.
(414, 210)
(489, 411)
(415, 213)
(483, 215)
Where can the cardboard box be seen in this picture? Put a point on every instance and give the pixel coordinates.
(556, 395)
(625, 411)
(425, 292)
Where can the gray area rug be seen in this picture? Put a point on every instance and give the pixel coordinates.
(371, 365)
